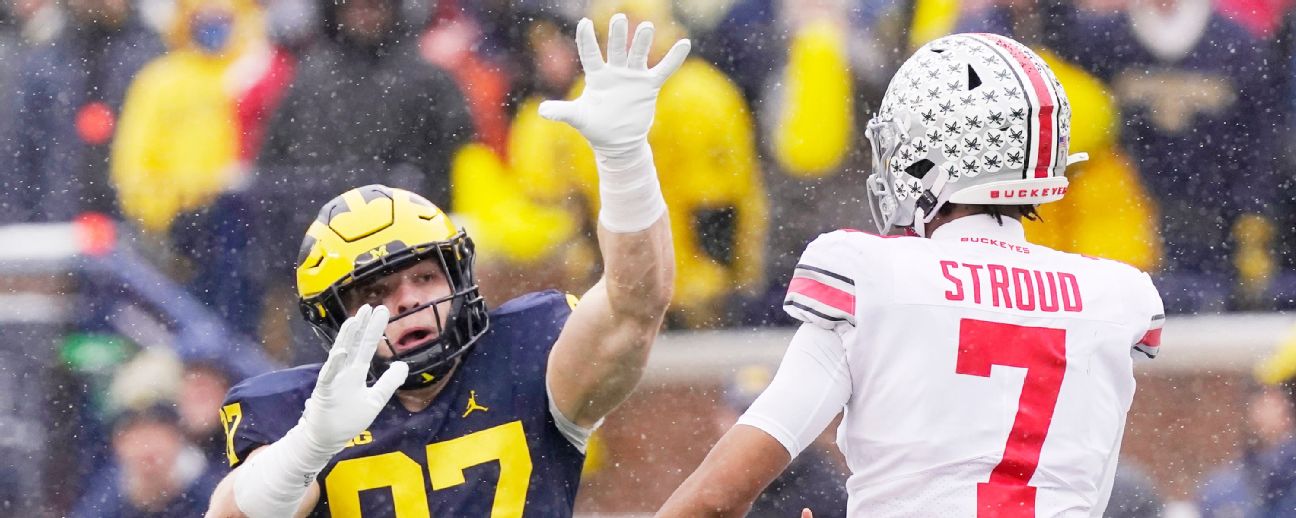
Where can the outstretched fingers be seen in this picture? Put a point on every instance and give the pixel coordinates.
(674, 58)
(640, 46)
(616, 46)
(587, 46)
(338, 354)
(372, 334)
(561, 111)
(390, 380)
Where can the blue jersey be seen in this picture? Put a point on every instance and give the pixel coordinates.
(486, 446)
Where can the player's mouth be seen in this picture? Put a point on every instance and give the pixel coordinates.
(412, 338)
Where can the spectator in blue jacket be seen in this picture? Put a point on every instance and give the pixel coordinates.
(70, 93)
(1201, 121)
(156, 473)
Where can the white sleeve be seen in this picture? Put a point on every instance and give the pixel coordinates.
(811, 387)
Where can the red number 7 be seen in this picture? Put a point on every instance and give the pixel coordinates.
(1042, 352)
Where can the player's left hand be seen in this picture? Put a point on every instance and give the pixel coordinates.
(615, 110)
(805, 513)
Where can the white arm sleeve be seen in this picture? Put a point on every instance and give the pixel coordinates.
(811, 387)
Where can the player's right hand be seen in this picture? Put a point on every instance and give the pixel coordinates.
(615, 110)
(342, 405)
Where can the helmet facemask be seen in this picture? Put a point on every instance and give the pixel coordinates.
(465, 319)
(888, 208)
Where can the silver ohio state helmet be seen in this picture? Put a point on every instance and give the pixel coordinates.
(972, 119)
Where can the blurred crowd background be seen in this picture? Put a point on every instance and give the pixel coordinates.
(204, 135)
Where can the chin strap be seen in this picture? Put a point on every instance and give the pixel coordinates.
(928, 203)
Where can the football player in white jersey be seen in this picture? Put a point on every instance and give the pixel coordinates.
(979, 374)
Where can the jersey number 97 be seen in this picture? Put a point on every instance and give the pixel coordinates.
(446, 462)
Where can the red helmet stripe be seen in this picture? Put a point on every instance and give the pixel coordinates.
(1043, 90)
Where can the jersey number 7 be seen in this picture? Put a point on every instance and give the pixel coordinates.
(1042, 352)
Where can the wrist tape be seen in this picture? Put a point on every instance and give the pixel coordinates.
(272, 483)
(629, 193)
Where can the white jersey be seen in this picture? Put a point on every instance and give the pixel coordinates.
(989, 376)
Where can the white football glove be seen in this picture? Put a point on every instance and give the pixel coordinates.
(272, 483)
(614, 112)
(616, 108)
(342, 405)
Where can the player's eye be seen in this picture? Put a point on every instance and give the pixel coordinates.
(372, 295)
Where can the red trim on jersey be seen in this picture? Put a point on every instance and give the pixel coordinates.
(1152, 338)
(1041, 86)
(823, 294)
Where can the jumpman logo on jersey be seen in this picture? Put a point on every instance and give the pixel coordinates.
(472, 404)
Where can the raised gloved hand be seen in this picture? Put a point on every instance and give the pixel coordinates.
(616, 107)
(273, 482)
(614, 112)
(342, 405)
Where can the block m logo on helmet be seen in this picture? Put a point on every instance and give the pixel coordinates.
(379, 252)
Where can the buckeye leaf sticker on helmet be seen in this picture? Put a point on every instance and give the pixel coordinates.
(984, 115)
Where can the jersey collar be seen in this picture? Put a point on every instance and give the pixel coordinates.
(982, 225)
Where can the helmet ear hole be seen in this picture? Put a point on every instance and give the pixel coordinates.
(974, 80)
(920, 168)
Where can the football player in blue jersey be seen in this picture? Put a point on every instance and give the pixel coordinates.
(492, 408)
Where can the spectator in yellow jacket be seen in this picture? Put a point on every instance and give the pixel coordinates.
(176, 147)
(175, 161)
(704, 146)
